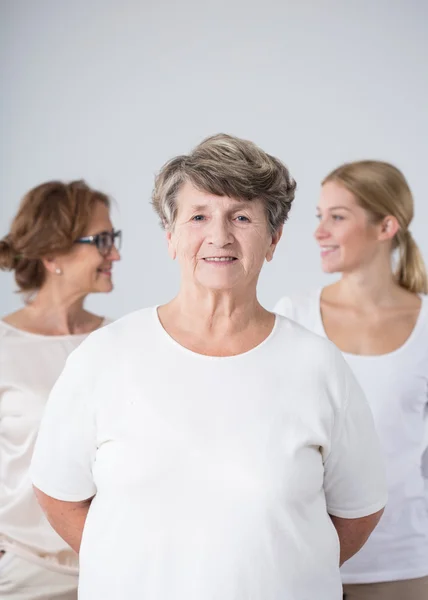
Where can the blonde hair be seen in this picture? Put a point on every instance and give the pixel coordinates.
(382, 190)
(50, 218)
(227, 166)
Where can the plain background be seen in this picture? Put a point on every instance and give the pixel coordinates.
(109, 90)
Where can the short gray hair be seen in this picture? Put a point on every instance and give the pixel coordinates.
(227, 166)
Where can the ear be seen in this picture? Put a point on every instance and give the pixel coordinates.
(51, 264)
(275, 240)
(388, 228)
(171, 244)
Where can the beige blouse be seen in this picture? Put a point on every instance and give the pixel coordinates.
(29, 367)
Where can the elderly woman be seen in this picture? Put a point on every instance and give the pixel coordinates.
(209, 449)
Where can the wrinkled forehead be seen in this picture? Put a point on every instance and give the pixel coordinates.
(190, 198)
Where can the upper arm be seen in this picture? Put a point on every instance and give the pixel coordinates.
(65, 450)
(354, 471)
(353, 533)
(53, 506)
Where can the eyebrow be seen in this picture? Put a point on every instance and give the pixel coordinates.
(202, 207)
(198, 207)
(337, 208)
(99, 232)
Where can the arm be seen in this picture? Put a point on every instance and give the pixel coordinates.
(66, 446)
(354, 470)
(354, 533)
(67, 518)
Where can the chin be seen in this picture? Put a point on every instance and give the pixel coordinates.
(218, 283)
(103, 288)
(331, 268)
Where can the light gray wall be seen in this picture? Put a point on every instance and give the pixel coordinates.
(109, 90)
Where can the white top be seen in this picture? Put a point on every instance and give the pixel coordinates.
(29, 367)
(396, 386)
(213, 475)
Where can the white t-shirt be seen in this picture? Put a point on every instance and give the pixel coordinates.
(212, 476)
(396, 386)
(29, 367)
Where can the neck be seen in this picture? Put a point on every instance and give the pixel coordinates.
(61, 312)
(216, 311)
(372, 285)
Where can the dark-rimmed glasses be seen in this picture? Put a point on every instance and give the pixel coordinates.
(104, 241)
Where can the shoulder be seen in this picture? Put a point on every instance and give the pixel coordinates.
(5, 330)
(424, 308)
(306, 344)
(302, 307)
(12, 323)
(12, 338)
(420, 332)
(106, 350)
(114, 336)
(315, 365)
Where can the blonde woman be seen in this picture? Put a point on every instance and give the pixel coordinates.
(377, 315)
(61, 248)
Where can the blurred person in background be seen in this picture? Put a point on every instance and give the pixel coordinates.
(61, 248)
(377, 315)
(212, 450)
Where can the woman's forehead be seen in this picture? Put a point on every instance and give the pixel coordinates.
(193, 199)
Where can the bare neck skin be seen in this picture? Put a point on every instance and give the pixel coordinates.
(368, 313)
(55, 312)
(218, 323)
(370, 288)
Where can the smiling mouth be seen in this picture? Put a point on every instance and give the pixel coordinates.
(106, 271)
(223, 259)
(328, 249)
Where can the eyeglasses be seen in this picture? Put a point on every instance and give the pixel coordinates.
(104, 241)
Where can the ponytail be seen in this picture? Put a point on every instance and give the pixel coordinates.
(411, 272)
(7, 254)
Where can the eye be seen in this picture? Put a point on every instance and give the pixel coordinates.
(337, 217)
(318, 217)
(198, 218)
(242, 219)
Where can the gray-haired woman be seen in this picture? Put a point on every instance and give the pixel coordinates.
(209, 449)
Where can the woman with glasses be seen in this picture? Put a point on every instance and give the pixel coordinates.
(61, 248)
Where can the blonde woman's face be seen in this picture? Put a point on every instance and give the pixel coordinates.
(221, 243)
(345, 235)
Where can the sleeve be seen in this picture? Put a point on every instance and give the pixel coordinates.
(354, 470)
(66, 445)
(425, 452)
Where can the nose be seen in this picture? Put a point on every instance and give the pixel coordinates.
(220, 233)
(114, 254)
(321, 232)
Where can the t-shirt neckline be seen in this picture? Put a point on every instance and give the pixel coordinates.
(207, 356)
(68, 336)
(407, 342)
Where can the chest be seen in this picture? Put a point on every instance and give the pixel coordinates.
(213, 430)
(27, 377)
(378, 334)
(396, 388)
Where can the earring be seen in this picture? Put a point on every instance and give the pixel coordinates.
(58, 271)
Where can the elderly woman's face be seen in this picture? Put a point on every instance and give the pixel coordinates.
(219, 241)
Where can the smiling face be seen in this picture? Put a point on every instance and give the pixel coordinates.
(84, 269)
(221, 243)
(348, 239)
